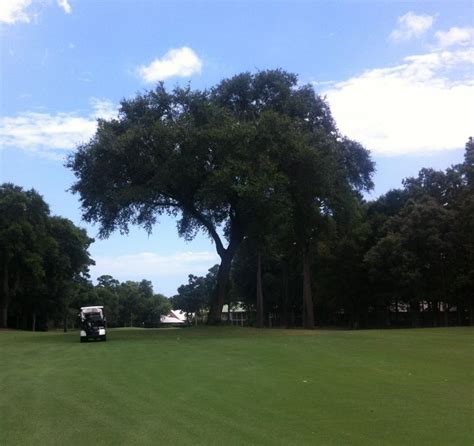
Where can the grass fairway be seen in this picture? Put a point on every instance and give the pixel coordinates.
(238, 386)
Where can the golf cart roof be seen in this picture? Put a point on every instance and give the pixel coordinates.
(91, 309)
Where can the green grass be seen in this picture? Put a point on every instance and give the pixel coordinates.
(238, 386)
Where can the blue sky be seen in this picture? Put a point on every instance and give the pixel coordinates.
(399, 77)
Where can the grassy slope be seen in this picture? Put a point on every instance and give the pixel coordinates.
(238, 386)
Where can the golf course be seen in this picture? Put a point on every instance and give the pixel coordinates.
(238, 386)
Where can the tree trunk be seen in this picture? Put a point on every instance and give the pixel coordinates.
(215, 312)
(355, 317)
(415, 314)
(356, 324)
(381, 315)
(33, 324)
(303, 312)
(459, 314)
(259, 292)
(435, 313)
(284, 313)
(307, 292)
(396, 312)
(471, 314)
(4, 316)
(226, 255)
(65, 323)
(6, 298)
(446, 314)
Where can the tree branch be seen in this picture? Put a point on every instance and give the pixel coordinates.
(210, 228)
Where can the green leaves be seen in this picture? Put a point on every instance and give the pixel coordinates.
(40, 255)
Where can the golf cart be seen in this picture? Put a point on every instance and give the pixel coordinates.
(93, 324)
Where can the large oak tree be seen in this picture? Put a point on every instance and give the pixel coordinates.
(206, 157)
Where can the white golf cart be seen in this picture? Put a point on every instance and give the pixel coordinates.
(93, 323)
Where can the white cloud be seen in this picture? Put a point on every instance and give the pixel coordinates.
(320, 83)
(455, 36)
(181, 62)
(65, 6)
(421, 106)
(18, 11)
(13, 11)
(49, 135)
(103, 108)
(411, 25)
(152, 265)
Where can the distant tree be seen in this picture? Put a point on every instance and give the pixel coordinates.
(66, 260)
(83, 294)
(41, 256)
(341, 276)
(154, 307)
(107, 295)
(107, 281)
(463, 228)
(146, 288)
(23, 242)
(468, 165)
(412, 257)
(131, 304)
(324, 170)
(267, 216)
(195, 296)
(394, 274)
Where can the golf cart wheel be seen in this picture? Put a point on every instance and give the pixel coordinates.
(104, 338)
(83, 340)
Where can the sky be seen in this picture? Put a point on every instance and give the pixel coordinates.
(398, 75)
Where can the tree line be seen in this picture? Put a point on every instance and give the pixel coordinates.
(127, 304)
(404, 259)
